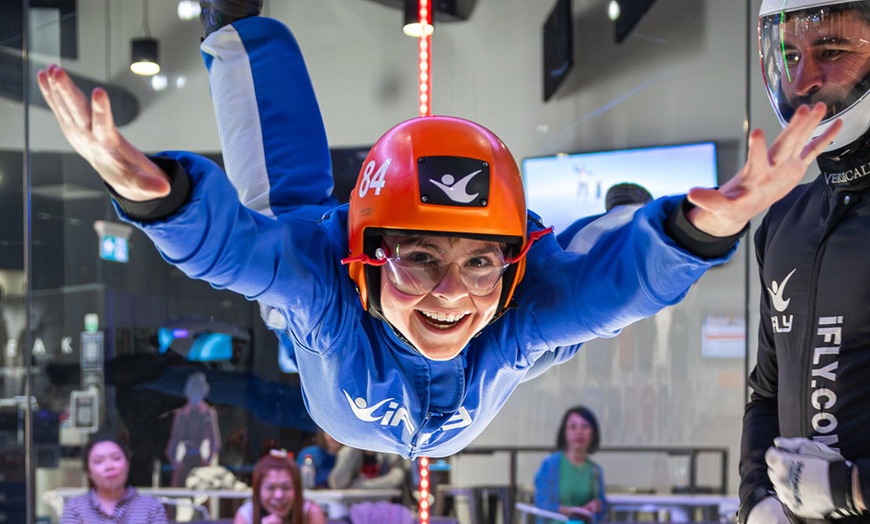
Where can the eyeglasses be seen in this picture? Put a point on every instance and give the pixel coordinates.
(480, 273)
(417, 271)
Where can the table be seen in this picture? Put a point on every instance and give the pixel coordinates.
(691, 453)
(337, 502)
(531, 509)
(56, 498)
(680, 508)
(673, 508)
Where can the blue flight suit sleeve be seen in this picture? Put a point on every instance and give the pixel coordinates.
(272, 135)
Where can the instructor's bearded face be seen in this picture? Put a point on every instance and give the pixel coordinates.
(825, 57)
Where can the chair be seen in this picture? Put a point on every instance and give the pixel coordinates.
(54, 501)
(380, 513)
(185, 510)
(482, 502)
(493, 496)
(446, 494)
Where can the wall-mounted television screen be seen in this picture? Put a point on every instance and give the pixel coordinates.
(558, 46)
(563, 188)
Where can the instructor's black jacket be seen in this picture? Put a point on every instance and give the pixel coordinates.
(812, 378)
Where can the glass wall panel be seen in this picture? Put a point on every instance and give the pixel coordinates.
(122, 342)
(17, 405)
(98, 333)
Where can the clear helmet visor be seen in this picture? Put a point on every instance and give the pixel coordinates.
(819, 54)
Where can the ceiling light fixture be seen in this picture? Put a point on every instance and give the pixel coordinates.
(188, 10)
(159, 82)
(143, 51)
(414, 26)
(144, 56)
(613, 10)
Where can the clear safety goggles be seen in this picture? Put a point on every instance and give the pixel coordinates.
(416, 271)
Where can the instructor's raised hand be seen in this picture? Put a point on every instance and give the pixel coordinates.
(768, 175)
(88, 126)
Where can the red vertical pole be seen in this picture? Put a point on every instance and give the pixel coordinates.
(424, 489)
(425, 59)
(425, 106)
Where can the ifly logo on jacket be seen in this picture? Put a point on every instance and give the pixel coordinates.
(781, 323)
(390, 413)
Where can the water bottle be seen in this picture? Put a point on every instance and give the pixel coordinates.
(307, 472)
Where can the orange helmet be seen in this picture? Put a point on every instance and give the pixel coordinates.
(436, 175)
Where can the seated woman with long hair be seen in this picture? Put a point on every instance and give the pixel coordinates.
(278, 497)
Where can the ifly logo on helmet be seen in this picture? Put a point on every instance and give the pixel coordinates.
(453, 181)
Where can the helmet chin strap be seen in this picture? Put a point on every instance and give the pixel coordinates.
(848, 157)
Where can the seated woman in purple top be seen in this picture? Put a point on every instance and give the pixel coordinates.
(111, 499)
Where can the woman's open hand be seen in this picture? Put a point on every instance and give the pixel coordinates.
(89, 127)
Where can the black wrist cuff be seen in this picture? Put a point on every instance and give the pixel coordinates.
(863, 473)
(840, 477)
(693, 239)
(755, 496)
(158, 208)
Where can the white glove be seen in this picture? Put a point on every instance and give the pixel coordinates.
(768, 511)
(810, 478)
(805, 446)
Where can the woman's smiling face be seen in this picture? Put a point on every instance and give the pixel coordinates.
(466, 284)
(276, 492)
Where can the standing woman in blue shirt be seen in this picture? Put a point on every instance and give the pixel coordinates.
(568, 481)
